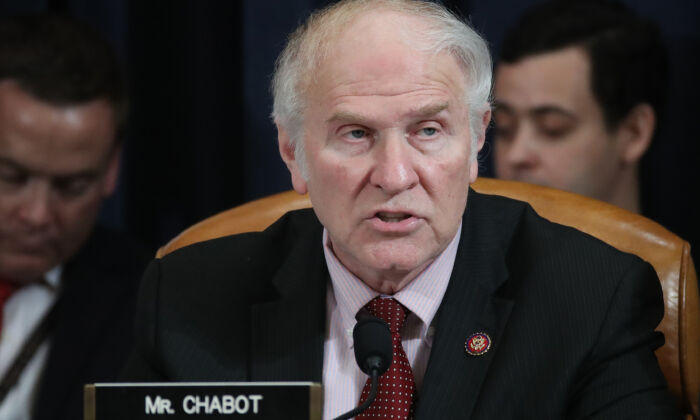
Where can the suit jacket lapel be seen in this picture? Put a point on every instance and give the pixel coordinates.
(472, 303)
(287, 334)
(82, 301)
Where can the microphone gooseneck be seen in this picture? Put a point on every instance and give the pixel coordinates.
(370, 398)
(373, 353)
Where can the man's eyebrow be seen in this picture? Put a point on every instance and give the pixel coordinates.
(85, 173)
(502, 106)
(424, 111)
(431, 109)
(552, 109)
(536, 111)
(12, 164)
(347, 116)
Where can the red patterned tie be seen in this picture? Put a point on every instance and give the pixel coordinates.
(397, 388)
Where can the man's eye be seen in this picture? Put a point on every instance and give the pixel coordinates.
(355, 134)
(502, 132)
(555, 132)
(358, 133)
(429, 131)
(13, 179)
(72, 187)
(554, 127)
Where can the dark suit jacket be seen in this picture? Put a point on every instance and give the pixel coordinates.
(571, 319)
(94, 325)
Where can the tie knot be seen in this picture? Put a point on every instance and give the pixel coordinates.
(389, 310)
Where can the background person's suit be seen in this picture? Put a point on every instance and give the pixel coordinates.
(571, 319)
(94, 325)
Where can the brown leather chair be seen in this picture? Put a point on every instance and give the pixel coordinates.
(669, 254)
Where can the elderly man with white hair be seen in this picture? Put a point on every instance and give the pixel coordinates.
(495, 313)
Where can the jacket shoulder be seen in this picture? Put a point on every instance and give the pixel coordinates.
(249, 247)
(252, 257)
(531, 236)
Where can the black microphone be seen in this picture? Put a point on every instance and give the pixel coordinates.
(373, 353)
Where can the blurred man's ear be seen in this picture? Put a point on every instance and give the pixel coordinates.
(286, 149)
(474, 165)
(112, 172)
(485, 120)
(635, 132)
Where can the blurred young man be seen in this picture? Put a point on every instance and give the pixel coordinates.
(578, 92)
(67, 287)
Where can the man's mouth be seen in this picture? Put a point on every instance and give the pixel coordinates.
(395, 222)
(392, 217)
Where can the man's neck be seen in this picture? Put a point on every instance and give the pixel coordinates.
(390, 281)
(625, 191)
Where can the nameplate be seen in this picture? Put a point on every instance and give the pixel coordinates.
(204, 400)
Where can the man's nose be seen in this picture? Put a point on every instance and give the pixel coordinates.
(35, 208)
(521, 151)
(394, 166)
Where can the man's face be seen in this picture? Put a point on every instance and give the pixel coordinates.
(549, 129)
(56, 165)
(387, 146)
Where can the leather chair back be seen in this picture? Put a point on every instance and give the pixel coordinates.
(679, 357)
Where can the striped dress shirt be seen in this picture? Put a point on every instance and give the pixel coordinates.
(342, 378)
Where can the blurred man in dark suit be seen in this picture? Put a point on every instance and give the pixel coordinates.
(495, 313)
(67, 288)
(578, 94)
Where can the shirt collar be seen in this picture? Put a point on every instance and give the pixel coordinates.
(422, 296)
(52, 278)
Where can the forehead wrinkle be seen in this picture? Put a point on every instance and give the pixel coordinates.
(372, 86)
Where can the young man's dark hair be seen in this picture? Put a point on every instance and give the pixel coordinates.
(627, 54)
(61, 61)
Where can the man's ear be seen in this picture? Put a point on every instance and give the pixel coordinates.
(289, 157)
(485, 120)
(474, 165)
(635, 132)
(112, 172)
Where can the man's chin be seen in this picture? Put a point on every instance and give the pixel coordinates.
(398, 259)
(24, 269)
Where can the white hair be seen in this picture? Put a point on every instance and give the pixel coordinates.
(309, 44)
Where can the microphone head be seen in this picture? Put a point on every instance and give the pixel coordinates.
(373, 347)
